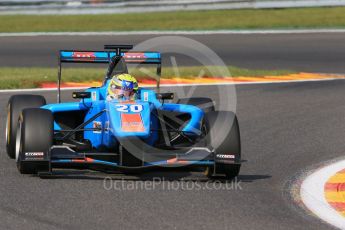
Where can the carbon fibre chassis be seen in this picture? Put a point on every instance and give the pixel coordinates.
(61, 156)
(64, 157)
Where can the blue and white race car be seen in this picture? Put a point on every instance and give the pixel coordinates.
(119, 135)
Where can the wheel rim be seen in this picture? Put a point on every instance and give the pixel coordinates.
(8, 125)
(18, 140)
(208, 171)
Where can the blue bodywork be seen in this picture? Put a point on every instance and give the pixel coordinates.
(110, 121)
(106, 122)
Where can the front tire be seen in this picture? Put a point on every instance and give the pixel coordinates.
(15, 106)
(34, 140)
(224, 137)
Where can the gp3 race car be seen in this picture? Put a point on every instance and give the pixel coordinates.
(121, 136)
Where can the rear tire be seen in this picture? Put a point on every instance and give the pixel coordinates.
(224, 137)
(34, 135)
(204, 103)
(14, 107)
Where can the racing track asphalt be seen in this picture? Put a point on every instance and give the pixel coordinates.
(285, 129)
(303, 52)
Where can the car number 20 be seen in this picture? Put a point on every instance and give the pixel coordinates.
(129, 108)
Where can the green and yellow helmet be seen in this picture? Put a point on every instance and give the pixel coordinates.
(125, 82)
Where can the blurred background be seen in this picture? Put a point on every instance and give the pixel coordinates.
(123, 6)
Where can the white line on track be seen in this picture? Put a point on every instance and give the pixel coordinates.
(313, 195)
(174, 32)
(180, 85)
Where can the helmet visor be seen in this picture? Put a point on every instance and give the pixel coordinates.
(127, 86)
(126, 89)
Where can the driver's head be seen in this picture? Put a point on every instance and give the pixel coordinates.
(123, 85)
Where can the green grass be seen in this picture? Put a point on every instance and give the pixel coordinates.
(19, 78)
(184, 20)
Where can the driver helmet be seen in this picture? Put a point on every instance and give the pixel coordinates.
(123, 86)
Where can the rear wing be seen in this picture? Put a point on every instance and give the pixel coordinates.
(115, 52)
(74, 56)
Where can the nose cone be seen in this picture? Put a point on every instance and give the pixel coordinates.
(129, 118)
